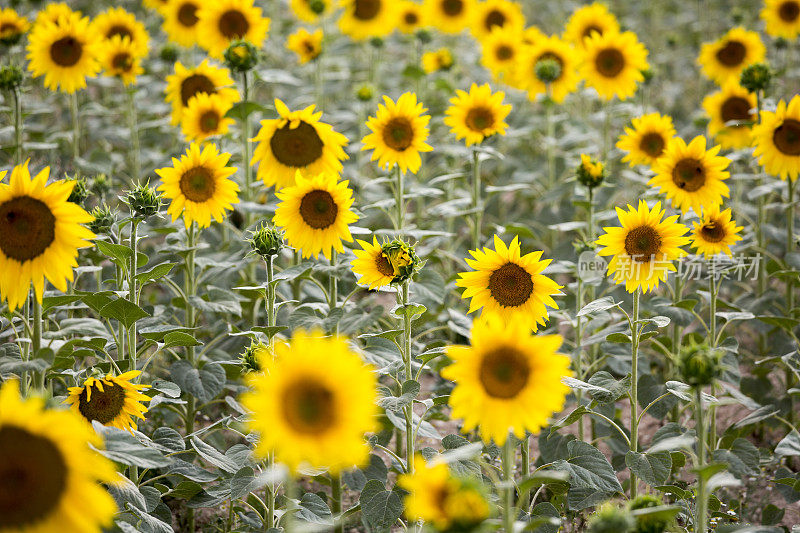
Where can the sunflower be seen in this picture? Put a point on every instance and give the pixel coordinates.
(371, 265)
(180, 21)
(310, 10)
(364, 19)
(315, 213)
(588, 20)
(715, 233)
(119, 59)
(224, 21)
(477, 114)
(777, 140)
(204, 117)
(491, 14)
(646, 139)
(448, 16)
(448, 502)
(410, 17)
(199, 185)
(500, 51)
(64, 53)
(782, 18)
(12, 26)
(644, 247)
(113, 401)
(508, 380)
(157, 5)
(441, 59)
(40, 233)
(726, 57)
(313, 403)
(613, 64)
(116, 21)
(307, 46)
(509, 284)
(51, 477)
(548, 48)
(732, 115)
(399, 131)
(55, 12)
(690, 175)
(296, 141)
(532, 35)
(204, 78)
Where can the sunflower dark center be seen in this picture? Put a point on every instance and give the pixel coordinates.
(504, 52)
(233, 24)
(33, 478)
(789, 11)
(308, 407)
(511, 285)
(609, 62)
(589, 30)
(198, 184)
(8, 27)
(494, 18)
(309, 47)
(398, 134)
(298, 147)
(194, 84)
(652, 144)
(103, 406)
(27, 228)
(187, 14)
(66, 51)
(735, 108)
(119, 29)
(787, 137)
(122, 61)
(383, 265)
(367, 9)
(452, 8)
(504, 372)
(712, 231)
(689, 174)
(411, 18)
(209, 121)
(642, 243)
(479, 119)
(318, 209)
(732, 54)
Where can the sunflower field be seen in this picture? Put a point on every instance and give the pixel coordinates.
(399, 266)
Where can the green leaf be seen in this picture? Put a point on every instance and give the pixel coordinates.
(389, 334)
(242, 110)
(652, 468)
(179, 338)
(269, 331)
(124, 311)
(742, 458)
(204, 384)
(214, 456)
(241, 482)
(601, 304)
(545, 518)
(122, 447)
(772, 515)
(410, 310)
(169, 439)
(414, 72)
(11, 361)
(381, 508)
(155, 273)
(118, 253)
(313, 509)
(49, 302)
(618, 337)
(789, 445)
(410, 390)
(591, 477)
(606, 381)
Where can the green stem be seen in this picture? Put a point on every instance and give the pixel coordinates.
(579, 361)
(761, 216)
(136, 172)
(409, 409)
(525, 451)
(189, 291)
(606, 127)
(635, 386)
(133, 291)
(17, 125)
(676, 340)
(333, 289)
(551, 132)
(712, 320)
(789, 244)
(509, 510)
(702, 498)
(269, 523)
(336, 502)
(76, 128)
(399, 199)
(36, 340)
(476, 199)
(248, 172)
(270, 294)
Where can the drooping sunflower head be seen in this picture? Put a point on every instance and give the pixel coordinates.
(690, 175)
(500, 51)
(613, 63)
(477, 114)
(64, 53)
(726, 57)
(588, 20)
(204, 117)
(40, 234)
(313, 403)
(119, 59)
(732, 113)
(188, 82)
(643, 247)
(449, 16)
(715, 232)
(399, 133)
(448, 502)
(402, 260)
(410, 17)
(557, 52)
(782, 18)
(777, 140)
(116, 21)
(113, 401)
(364, 19)
(371, 265)
(51, 477)
(490, 14)
(310, 10)
(225, 21)
(646, 139)
(441, 59)
(508, 380)
(12, 26)
(180, 21)
(297, 141)
(199, 185)
(315, 213)
(307, 45)
(510, 284)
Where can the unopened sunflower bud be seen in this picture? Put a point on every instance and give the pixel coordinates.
(648, 523)
(317, 6)
(756, 77)
(466, 504)
(266, 241)
(648, 75)
(403, 260)
(611, 519)
(365, 93)
(80, 189)
(169, 53)
(376, 42)
(143, 200)
(251, 357)
(781, 43)
(590, 172)
(11, 77)
(699, 364)
(101, 185)
(547, 70)
(103, 220)
(241, 56)
(424, 36)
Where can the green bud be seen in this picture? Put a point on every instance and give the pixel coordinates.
(403, 260)
(317, 6)
(648, 75)
(737, 16)
(781, 43)
(756, 77)
(250, 358)
(101, 185)
(547, 70)
(424, 36)
(266, 241)
(611, 519)
(104, 218)
(590, 172)
(241, 56)
(143, 200)
(376, 42)
(699, 365)
(80, 191)
(11, 77)
(169, 53)
(365, 93)
(648, 523)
